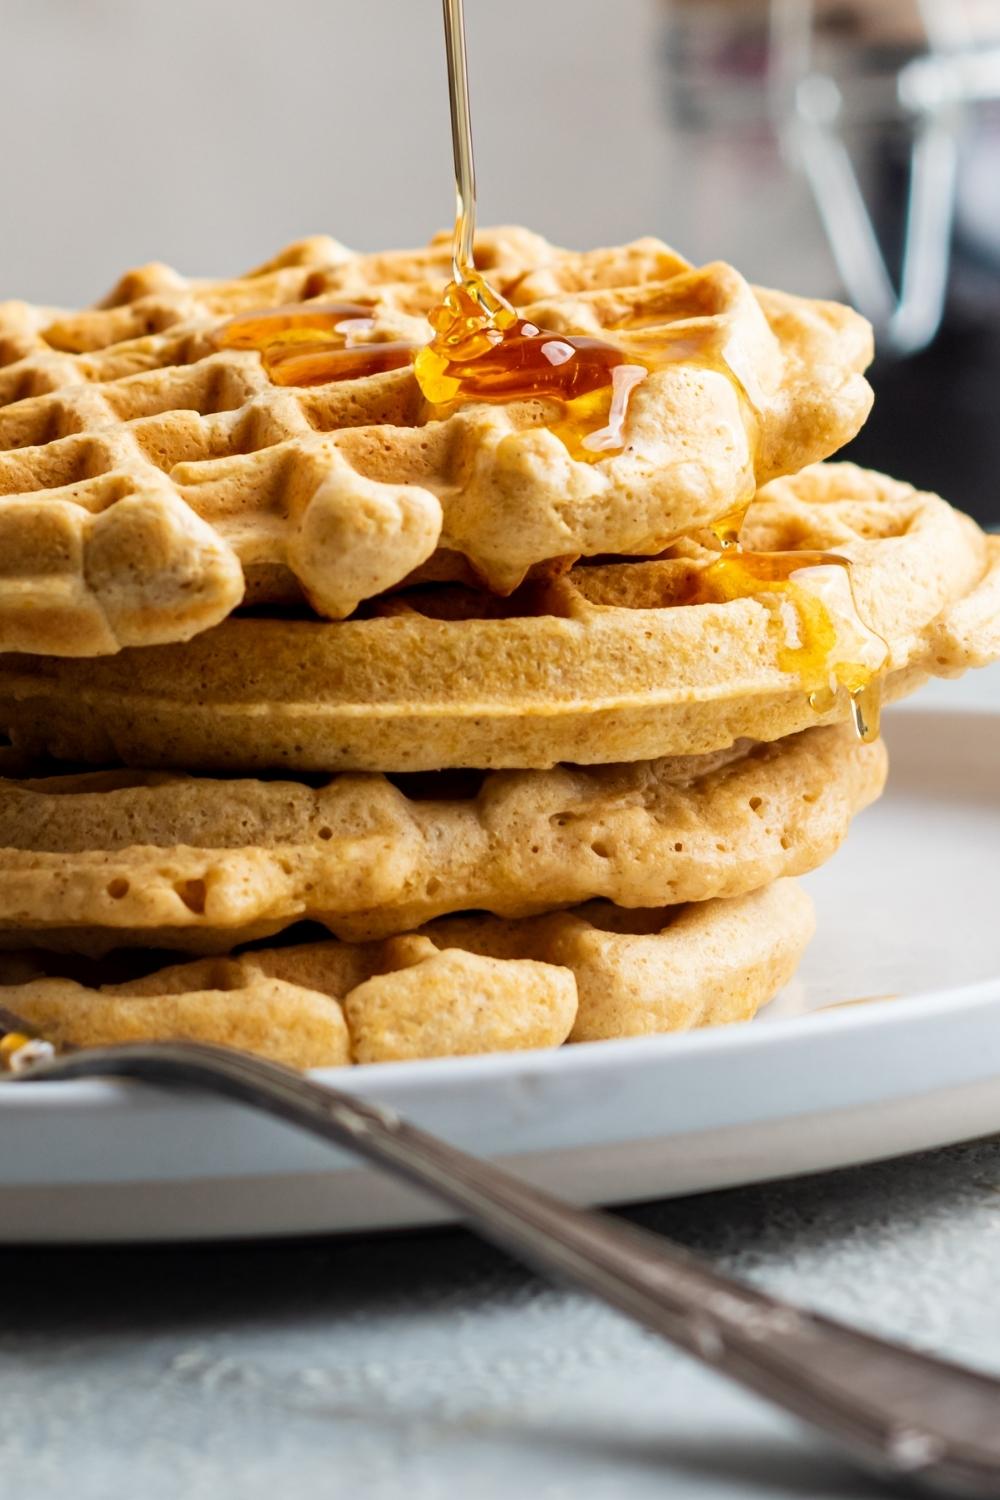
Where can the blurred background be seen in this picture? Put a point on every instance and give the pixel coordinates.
(842, 147)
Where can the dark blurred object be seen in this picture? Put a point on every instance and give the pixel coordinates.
(852, 147)
(936, 420)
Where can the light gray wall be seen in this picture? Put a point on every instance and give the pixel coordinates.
(208, 132)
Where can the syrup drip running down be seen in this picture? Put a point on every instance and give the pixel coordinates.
(482, 350)
(824, 641)
(314, 343)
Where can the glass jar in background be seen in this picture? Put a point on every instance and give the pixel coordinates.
(852, 148)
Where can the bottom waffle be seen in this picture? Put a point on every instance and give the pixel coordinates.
(461, 985)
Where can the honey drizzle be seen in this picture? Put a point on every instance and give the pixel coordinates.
(314, 343)
(726, 529)
(482, 350)
(866, 710)
(811, 636)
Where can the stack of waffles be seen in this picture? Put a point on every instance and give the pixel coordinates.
(345, 728)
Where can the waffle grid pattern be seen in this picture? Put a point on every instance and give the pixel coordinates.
(145, 474)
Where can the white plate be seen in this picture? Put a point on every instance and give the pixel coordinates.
(909, 908)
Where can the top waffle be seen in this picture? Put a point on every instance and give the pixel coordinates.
(149, 479)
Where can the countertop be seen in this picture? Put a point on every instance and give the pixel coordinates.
(429, 1367)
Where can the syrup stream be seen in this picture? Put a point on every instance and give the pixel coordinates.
(463, 268)
(482, 350)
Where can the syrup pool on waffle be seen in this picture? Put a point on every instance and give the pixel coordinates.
(483, 351)
(314, 343)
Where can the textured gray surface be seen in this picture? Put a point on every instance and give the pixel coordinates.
(429, 1366)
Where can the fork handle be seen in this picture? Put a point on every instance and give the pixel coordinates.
(899, 1411)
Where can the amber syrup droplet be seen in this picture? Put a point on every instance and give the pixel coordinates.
(728, 527)
(315, 343)
(866, 709)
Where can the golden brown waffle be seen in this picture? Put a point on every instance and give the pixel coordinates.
(108, 860)
(599, 665)
(146, 476)
(466, 985)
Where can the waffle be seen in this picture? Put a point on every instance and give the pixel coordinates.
(107, 860)
(464, 986)
(602, 664)
(149, 478)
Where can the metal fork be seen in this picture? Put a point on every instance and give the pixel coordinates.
(894, 1410)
